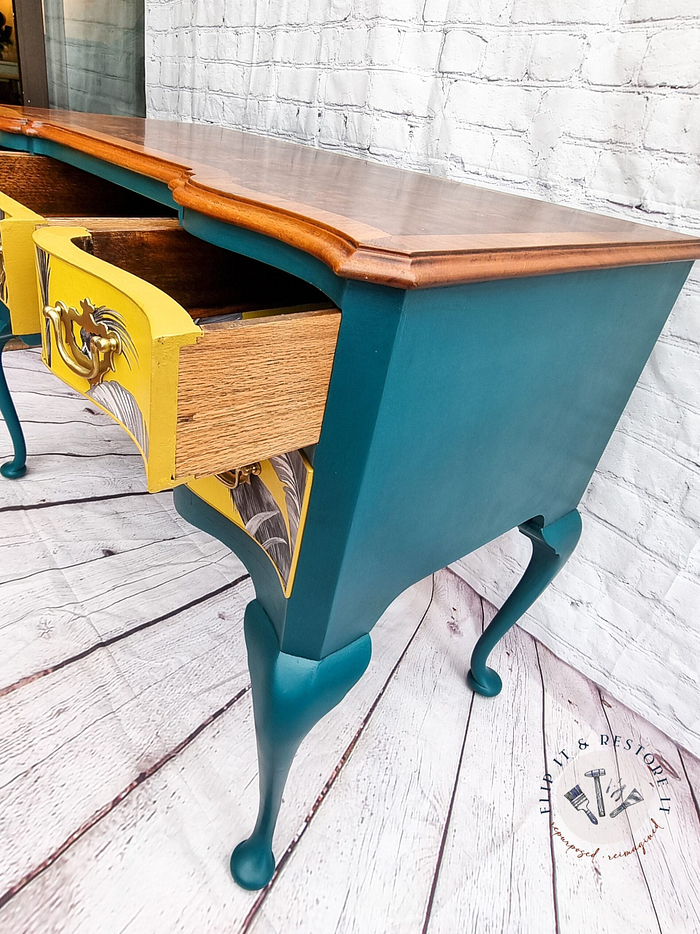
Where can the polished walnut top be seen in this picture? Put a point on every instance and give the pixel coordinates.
(364, 220)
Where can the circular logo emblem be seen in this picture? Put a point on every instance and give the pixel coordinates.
(606, 799)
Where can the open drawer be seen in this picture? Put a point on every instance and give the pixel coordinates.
(215, 363)
(32, 190)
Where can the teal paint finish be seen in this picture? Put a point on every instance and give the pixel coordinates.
(17, 467)
(455, 415)
(552, 545)
(15, 141)
(290, 695)
(148, 187)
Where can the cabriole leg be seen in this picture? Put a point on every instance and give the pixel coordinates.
(290, 695)
(551, 547)
(17, 467)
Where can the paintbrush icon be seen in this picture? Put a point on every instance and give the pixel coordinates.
(579, 800)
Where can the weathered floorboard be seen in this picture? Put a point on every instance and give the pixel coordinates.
(496, 869)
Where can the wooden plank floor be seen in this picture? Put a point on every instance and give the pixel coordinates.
(127, 760)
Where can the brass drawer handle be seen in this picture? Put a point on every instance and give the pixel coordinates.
(100, 344)
(233, 478)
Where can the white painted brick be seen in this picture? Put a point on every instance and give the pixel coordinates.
(675, 125)
(556, 11)
(676, 184)
(690, 507)
(246, 48)
(209, 13)
(384, 44)
(326, 11)
(512, 157)
(358, 130)
(462, 52)
(208, 44)
(486, 104)
(568, 161)
(472, 147)
(683, 323)
(507, 56)
(672, 59)
(160, 16)
(624, 177)
(353, 46)
(614, 58)
(602, 116)
(284, 42)
(238, 13)
(333, 128)
(420, 50)
(467, 11)
(390, 134)
(409, 11)
(329, 43)
(401, 93)
(262, 81)
(347, 87)
(297, 84)
(556, 56)
(640, 11)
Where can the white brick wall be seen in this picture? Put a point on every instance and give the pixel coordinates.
(591, 104)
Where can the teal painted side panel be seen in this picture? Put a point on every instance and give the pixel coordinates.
(496, 404)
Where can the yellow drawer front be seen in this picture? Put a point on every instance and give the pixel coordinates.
(17, 267)
(116, 339)
(270, 504)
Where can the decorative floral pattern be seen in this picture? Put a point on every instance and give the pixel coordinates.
(44, 271)
(263, 518)
(120, 403)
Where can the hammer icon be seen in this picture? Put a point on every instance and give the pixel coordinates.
(595, 775)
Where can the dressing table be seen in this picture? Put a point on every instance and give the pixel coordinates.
(350, 374)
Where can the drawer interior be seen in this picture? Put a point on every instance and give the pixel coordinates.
(210, 283)
(53, 188)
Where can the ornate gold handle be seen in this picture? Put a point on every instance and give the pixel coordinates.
(100, 345)
(233, 478)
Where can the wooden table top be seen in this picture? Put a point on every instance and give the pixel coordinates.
(366, 221)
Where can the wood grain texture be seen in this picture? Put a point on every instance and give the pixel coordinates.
(253, 389)
(677, 904)
(364, 220)
(50, 187)
(481, 856)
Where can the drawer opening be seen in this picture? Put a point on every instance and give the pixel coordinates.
(214, 285)
(53, 189)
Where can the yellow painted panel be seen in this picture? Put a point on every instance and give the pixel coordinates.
(17, 274)
(141, 391)
(272, 508)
